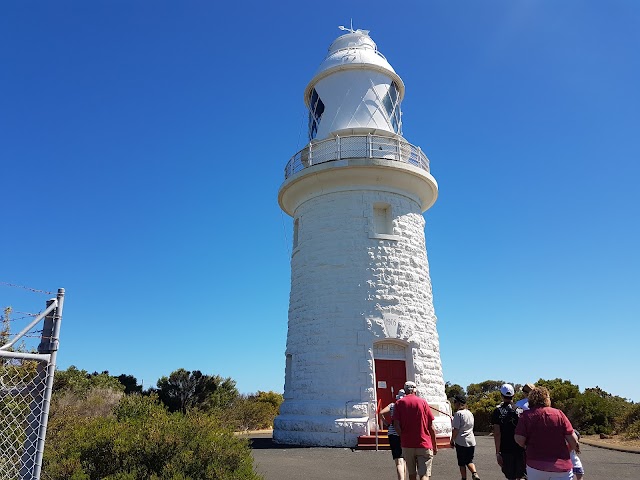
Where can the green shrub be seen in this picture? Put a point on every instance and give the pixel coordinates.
(81, 381)
(247, 414)
(271, 397)
(633, 431)
(482, 406)
(142, 440)
(561, 392)
(595, 411)
(630, 416)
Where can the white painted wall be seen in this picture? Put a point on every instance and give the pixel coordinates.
(343, 282)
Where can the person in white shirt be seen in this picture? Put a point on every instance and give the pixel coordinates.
(462, 437)
(522, 405)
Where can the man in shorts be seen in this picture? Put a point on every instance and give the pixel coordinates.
(413, 421)
(509, 455)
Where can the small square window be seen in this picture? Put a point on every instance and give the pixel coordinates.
(382, 223)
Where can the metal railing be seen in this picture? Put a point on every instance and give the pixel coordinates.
(356, 146)
(26, 382)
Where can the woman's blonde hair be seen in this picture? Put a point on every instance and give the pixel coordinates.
(539, 397)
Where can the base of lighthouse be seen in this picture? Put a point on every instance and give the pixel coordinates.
(339, 424)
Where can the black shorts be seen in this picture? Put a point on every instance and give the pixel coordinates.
(396, 449)
(513, 464)
(464, 454)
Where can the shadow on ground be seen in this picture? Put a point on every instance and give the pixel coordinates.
(261, 443)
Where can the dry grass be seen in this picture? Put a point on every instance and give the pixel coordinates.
(616, 440)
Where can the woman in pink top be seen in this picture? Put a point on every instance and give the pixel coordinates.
(545, 433)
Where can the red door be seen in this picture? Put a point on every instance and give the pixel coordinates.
(390, 377)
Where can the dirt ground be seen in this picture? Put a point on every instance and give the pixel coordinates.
(615, 441)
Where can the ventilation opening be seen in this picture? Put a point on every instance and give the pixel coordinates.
(296, 225)
(288, 389)
(382, 223)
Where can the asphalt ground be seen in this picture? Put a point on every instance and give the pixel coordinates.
(277, 462)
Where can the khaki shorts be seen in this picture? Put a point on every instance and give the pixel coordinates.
(420, 457)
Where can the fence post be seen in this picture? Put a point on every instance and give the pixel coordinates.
(32, 428)
(51, 330)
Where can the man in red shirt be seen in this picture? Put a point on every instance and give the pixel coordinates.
(413, 421)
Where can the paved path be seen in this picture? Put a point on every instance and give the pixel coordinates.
(297, 463)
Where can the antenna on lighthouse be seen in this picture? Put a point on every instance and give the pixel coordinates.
(351, 30)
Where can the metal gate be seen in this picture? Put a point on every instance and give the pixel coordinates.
(26, 381)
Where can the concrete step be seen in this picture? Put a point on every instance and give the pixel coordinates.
(368, 442)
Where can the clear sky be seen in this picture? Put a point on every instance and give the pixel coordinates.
(143, 144)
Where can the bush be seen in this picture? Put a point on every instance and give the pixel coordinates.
(81, 381)
(630, 416)
(451, 390)
(247, 413)
(594, 411)
(95, 402)
(561, 392)
(142, 440)
(633, 431)
(273, 398)
(482, 406)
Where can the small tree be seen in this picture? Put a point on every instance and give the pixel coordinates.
(453, 390)
(130, 384)
(561, 392)
(183, 390)
(5, 330)
(80, 381)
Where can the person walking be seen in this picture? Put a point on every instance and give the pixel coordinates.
(394, 438)
(509, 455)
(523, 404)
(413, 421)
(578, 469)
(462, 437)
(545, 432)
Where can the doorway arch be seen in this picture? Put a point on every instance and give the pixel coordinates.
(391, 369)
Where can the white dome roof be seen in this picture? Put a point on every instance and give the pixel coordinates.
(354, 50)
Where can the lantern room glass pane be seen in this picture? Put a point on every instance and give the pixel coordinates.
(316, 109)
(391, 104)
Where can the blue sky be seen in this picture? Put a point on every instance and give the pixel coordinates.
(143, 144)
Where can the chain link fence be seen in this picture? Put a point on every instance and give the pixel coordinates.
(22, 388)
(26, 381)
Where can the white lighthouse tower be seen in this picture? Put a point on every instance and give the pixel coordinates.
(361, 316)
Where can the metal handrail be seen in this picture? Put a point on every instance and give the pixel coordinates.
(356, 146)
(355, 47)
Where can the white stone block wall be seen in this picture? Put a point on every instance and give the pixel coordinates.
(345, 279)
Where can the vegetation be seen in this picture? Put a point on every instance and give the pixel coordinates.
(591, 411)
(108, 427)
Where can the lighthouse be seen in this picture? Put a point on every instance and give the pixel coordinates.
(361, 315)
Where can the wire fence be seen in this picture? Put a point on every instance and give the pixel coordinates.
(22, 396)
(26, 381)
